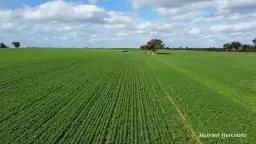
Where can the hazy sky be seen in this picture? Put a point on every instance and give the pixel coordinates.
(127, 23)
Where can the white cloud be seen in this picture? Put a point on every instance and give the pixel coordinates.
(167, 3)
(122, 34)
(207, 36)
(188, 16)
(165, 11)
(209, 19)
(69, 28)
(184, 23)
(220, 28)
(221, 5)
(5, 15)
(235, 4)
(115, 26)
(234, 27)
(195, 31)
(7, 25)
(117, 17)
(235, 34)
(58, 10)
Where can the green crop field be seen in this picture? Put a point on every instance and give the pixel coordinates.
(106, 96)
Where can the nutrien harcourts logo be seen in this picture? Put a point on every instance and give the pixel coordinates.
(222, 135)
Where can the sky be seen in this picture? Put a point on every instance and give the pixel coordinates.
(126, 23)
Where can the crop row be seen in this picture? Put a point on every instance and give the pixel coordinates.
(208, 106)
(111, 97)
(107, 100)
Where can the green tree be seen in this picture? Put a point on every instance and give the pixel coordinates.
(246, 48)
(144, 47)
(235, 45)
(2, 45)
(227, 46)
(16, 44)
(155, 44)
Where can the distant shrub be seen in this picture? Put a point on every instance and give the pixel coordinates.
(2, 45)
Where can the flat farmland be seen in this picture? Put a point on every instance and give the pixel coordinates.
(106, 96)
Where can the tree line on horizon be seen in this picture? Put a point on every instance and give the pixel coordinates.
(15, 44)
(234, 46)
(155, 44)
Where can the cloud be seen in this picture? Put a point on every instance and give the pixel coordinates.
(235, 5)
(185, 23)
(5, 15)
(207, 37)
(234, 27)
(187, 16)
(166, 3)
(195, 31)
(221, 5)
(69, 28)
(58, 10)
(118, 18)
(120, 34)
